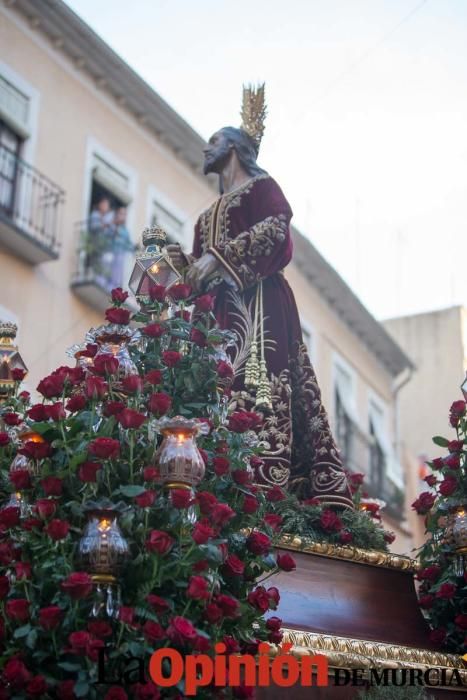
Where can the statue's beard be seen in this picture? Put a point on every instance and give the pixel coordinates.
(217, 160)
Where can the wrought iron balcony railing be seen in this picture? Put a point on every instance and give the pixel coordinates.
(30, 208)
(102, 263)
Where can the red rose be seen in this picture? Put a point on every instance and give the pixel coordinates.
(286, 562)
(171, 358)
(36, 687)
(229, 606)
(159, 604)
(69, 375)
(424, 502)
(330, 521)
(126, 614)
(154, 377)
(202, 531)
(120, 316)
(7, 553)
(456, 445)
(96, 388)
(221, 465)
(240, 422)
(18, 374)
(198, 588)
(159, 542)
(448, 486)
(204, 303)
(146, 499)
(106, 363)
(426, 601)
(275, 494)
(447, 591)
(93, 648)
(258, 543)
(453, 461)
(35, 450)
(241, 476)
(461, 621)
(46, 507)
(21, 479)
(259, 599)
(198, 337)
(151, 474)
(30, 523)
(87, 472)
(345, 537)
(180, 498)
(11, 419)
(15, 673)
(430, 573)
(100, 628)
(154, 330)
(118, 295)
(213, 613)
(148, 691)
(437, 463)
(274, 597)
(4, 586)
(113, 408)
(206, 501)
(153, 631)
(274, 521)
(23, 570)
(431, 480)
(179, 292)
(233, 566)
(18, 609)
(55, 412)
(57, 529)
(273, 623)
(51, 386)
(458, 408)
(4, 439)
(157, 292)
(24, 396)
(202, 643)
(275, 637)
(78, 585)
(133, 384)
(104, 448)
(9, 516)
(50, 617)
(52, 486)
(76, 403)
(79, 642)
(65, 690)
(130, 419)
(389, 537)
(159, 403)
(438, 635)
(181, 631)
(221, 513)
(250, 504)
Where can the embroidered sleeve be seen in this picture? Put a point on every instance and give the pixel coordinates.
(257, 252)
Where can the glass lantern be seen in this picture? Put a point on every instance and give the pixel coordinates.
(464, 387)
(22, 461)
(102, 552)
(10, 359)
(459, 538)
(153, 266)
(178, 459)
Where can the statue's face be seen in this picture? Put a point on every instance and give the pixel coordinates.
(216, 153)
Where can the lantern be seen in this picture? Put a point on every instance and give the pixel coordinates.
(459, 539)
(31, 463)
(372, 506)
(10, 359)
(178, 459)
(464, 387)
(102, 552)
(153, 266)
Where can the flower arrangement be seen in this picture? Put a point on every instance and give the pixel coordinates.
(443, 573)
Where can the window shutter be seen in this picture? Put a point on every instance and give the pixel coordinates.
(14, 108)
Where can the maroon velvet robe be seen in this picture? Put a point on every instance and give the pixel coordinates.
(247, 230)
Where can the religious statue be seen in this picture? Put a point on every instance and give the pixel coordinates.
(243, 241)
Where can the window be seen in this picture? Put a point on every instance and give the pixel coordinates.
(14, 107)
(345, 413)
(383, 459)
(10, 146)
(173, 227)
(307, 335)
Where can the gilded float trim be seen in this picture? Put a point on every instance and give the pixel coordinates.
(344, 652)
(354, 554)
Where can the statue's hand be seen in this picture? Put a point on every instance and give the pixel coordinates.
(177, 256)
(200, 270)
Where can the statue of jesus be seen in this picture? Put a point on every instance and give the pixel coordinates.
(244, 240)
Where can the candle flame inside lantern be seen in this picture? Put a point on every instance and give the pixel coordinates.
(104, 524)
(154, 268)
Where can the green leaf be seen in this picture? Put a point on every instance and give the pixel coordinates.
(22, 631)
(31, 639)
(440, 441)
(81, 689)
(68, 666)
(131, 490)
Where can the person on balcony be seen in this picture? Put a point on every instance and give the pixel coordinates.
(97, 240)
(121, 246)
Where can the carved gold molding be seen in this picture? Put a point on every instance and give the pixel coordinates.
(344, 652)
(359, 556)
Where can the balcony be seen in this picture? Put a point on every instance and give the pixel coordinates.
(30, 207)
(102, 263)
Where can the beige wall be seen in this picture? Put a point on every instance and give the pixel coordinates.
(74, 114)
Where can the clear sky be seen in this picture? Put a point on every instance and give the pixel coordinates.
(367, 124)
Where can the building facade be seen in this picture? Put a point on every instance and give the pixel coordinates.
(86, 146)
